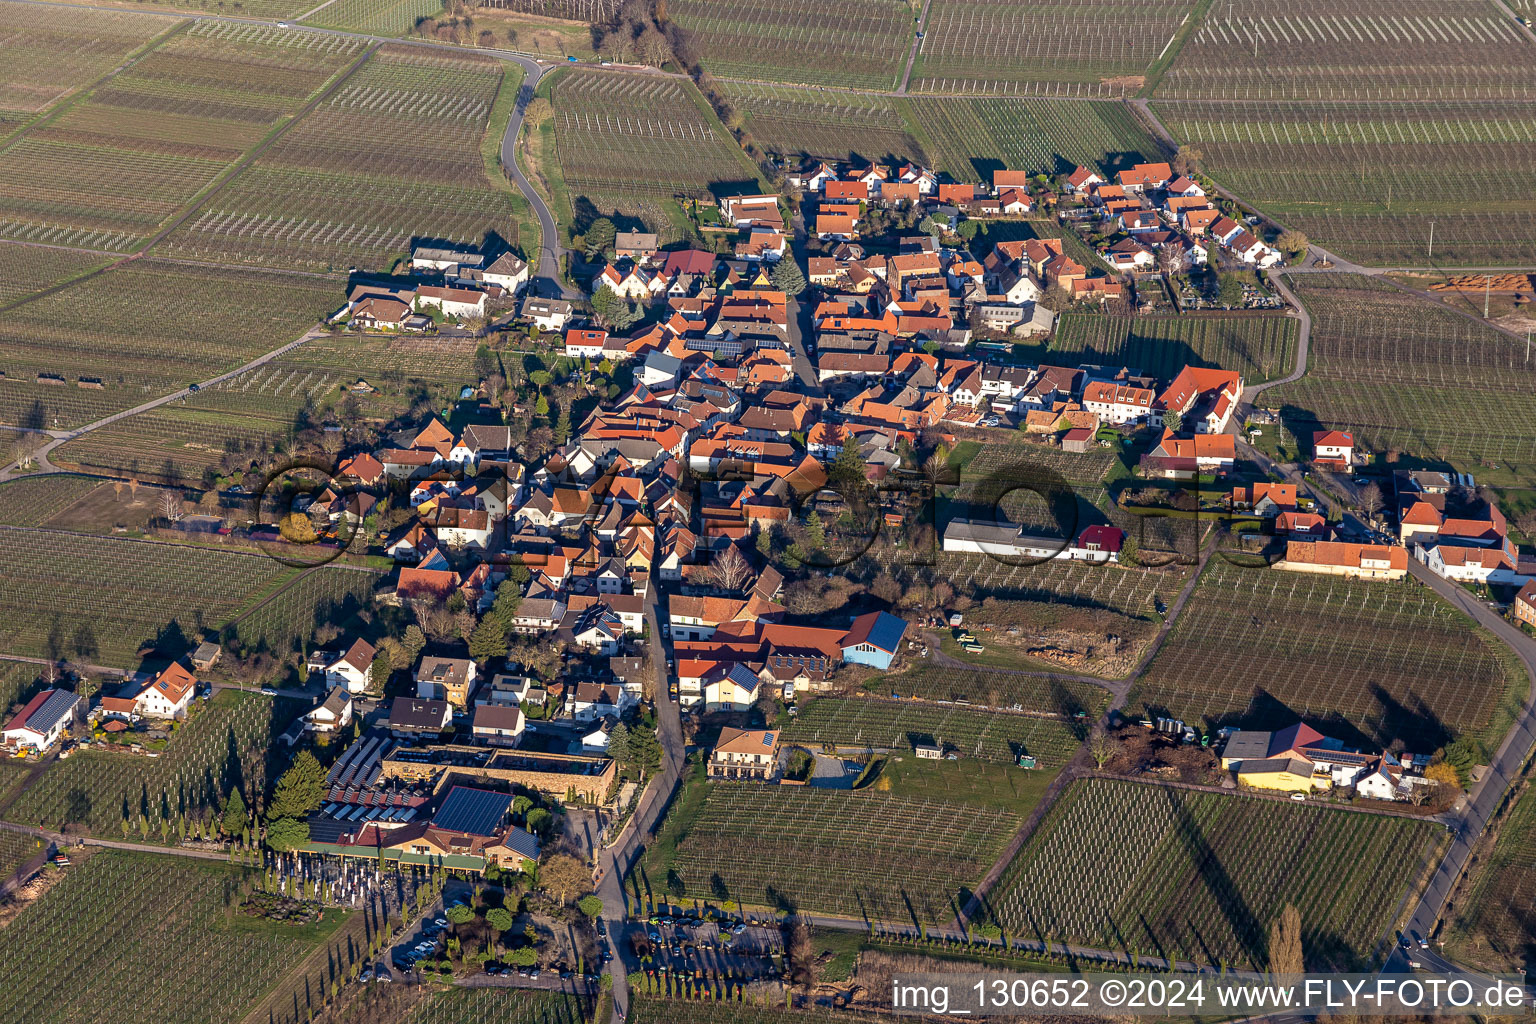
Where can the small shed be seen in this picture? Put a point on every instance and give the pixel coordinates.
(929, 753)
(1077, 440)
(206, 655)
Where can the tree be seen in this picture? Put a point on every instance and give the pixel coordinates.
(1187, 160)
(540, 821)
(379, 673)
(1442, 774)
(459, 914)
(1292, 241)
(729, 570)
(563, 876)
(814, 531)
(509, 597)
(287, 834)
(618, 743)
(591, 905)
(1171, 259)
(1100, 748)
(968, 229)
(300, 790)
(235, 814)
(1173, 420)
(599, 237)
(413, 640)
(1285, 953)
(787, 277)
(524, 956)
(500, 920)
(1370, 500)
(488, 640)
(614, 312)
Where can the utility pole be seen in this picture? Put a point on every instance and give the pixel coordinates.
(1487, 290)
(1431, 240)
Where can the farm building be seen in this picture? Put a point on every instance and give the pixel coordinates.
(874, 639)
(39, 724)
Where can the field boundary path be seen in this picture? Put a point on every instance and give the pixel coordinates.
(917, 44)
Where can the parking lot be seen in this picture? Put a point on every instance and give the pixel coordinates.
(686, 945)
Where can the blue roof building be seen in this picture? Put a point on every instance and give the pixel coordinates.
(874, 639)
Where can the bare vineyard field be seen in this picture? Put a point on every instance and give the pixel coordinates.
(859, 44)
(32, 501)
(908, 857)
(1189, 875)
(244, 417)
(1436, 50)
(1386, 661)
(143, 330)
(225, 743)
(111, 170)
(1073, 48)
(969, 138)
(901, 725)
(320, 199)
(1261, 347)
(1366, 179)
(1492, 930)
(284, 624)
(1409, 375)
(500, 1006)
(25, 269)
(636, 135)
(123, 912)
(984, 691)
(825, 125)
(381, 17)
(47, 57)
(99, 599)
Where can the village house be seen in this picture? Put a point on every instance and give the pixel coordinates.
(413, 718)
(348, 670)
(745, 754)
(1364, 561)
(455, 302)
(546, 314)
(42, 721)
(330, 715)
(447, 679)
(498, 725)
(1333, 449)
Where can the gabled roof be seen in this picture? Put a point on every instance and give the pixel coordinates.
(747, 741)
(881, 630)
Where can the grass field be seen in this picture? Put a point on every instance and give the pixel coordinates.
(969, 138)
(625, 137)
(141, 331)
(26, 269)
(1493, 930)
(123, 913)
(247, 415)
(1200, 876)
(901, 725)
(1262, 347)
(1387, 659)
(323, 199)
(116, 166)
(860, 44)
(100, 598)
(379, 17)
(499, 1006)
(32, 501)
(47, 57)
(908, 858)
(1363, 179)
(1081, 48)
(1434, 50)
(1411, 376)
(225, 743)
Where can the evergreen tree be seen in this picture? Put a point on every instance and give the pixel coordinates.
(235, 813)
(489, 639)
(787, 278)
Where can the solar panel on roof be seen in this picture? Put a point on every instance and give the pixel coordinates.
(470, 811)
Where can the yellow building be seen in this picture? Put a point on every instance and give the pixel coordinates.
(1289, 775)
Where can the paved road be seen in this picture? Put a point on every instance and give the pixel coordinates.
(1303, 344)
(546, 276)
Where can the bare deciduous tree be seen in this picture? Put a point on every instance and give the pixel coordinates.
(1370, 499)
(1101, 748)
(729, 570)
(170, 506)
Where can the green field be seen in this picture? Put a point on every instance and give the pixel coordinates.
(226, 742)
(322, 199)
(1492, 929)
(123, 913)
(98, 599)
(1363, 179)
(227, 425)
(143, 330)
(1261, 347)
(47, 57)
(1358, 49)
(861, 44)
(117, 166)
(1411, 376)
(32, 501)
(908, 858)
(900, 725)
(1377, 660)
(1089, 48)
(1190, 875)
(626, 137)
